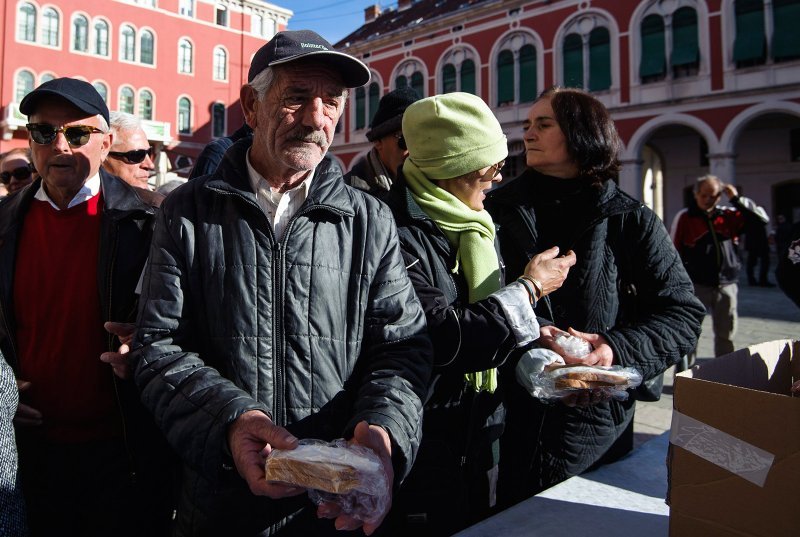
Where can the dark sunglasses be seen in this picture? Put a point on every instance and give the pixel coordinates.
(135, 156)
(401, 141)
(76, 135)
(20, 174)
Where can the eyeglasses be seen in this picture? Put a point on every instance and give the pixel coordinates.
(135, 156)
(76, 135)
(20, 174)
(401, 141)
(493, 171)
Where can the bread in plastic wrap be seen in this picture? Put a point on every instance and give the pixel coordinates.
(351, 476)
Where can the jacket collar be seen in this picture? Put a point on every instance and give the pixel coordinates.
(328, 191)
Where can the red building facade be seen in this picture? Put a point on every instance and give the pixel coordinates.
(177, 64)
(695, 86)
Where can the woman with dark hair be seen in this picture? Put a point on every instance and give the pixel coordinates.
(628, 295)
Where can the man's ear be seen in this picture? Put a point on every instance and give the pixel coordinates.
(249, 99)
(108, 141)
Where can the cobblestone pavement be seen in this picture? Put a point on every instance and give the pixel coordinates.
(765, 314)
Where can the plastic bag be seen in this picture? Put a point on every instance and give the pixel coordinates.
(350, 476)
(544, 375)
(573, 345)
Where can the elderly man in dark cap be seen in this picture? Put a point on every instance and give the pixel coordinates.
(72, 249)
(376, 170)
(276, 307)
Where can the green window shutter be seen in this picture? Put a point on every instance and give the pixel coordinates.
(417, 84)
(400, 82)
(654, 61)
(468, 77)
(449, 78)
(374, 100)
(527, 74)
(786, 38)
(599, 60)
(573, 61)
(505, 77)
(750, 43)
(360, 108)
(685, 49)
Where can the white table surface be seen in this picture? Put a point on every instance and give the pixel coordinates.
(624, 498)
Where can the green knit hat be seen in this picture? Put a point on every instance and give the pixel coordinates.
(453, 134)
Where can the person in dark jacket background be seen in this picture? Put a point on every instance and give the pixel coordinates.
(211, 155)
(456, 151)
(705, 235)
(568, 197)
(72, 248)
(276, 306)
(375, 171)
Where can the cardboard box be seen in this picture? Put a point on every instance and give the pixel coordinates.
(734, 454)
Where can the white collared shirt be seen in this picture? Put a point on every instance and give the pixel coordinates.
(89, 190)
(279, 207)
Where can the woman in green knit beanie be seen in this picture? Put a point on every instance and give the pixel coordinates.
(456, 151)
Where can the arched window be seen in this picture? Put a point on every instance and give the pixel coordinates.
(184, 56)
(26, 22)
(47, 77)
(126, 100)
(573, 61)
(653, 65)
(184, 116)
(50, 27)
(418, 84)
(101, 38)
(145, 104)
(146, 47)
(528, 80)
(221, 15)
(400, 82)
(218, 120)
(786, 37)
(374, 100)
(449, 78)
(750, 46)
(80, 34)
(102, 90)
(467, 77)
(599, 59)
(24, 85)
(685, 58)
(361, 108)
(256, 24)
(505, 77)
(127, 44)
(220, 64)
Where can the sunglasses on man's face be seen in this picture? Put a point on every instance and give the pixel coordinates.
(20, 174)
(401, 141)
(135, 156)
(76, 135)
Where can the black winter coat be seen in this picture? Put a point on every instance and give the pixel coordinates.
(320, 330)
(618, 243)
(451, 482)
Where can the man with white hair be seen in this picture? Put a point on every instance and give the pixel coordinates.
(130, 157)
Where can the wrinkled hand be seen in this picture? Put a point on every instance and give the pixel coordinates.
(600, 355)
(119, 360)
(730, 191)
(251, 438)
(377, 439)
(549, 269)
(26, 415)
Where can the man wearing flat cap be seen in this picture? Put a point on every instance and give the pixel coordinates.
(276, 307)
(375, 171)
(72, 249)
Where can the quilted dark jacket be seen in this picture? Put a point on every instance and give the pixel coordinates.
(320, 329)
(618, 243)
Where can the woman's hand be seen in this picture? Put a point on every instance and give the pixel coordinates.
(550, 270)
(600, 355)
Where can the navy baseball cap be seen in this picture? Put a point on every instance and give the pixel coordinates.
(80, 94)
(290, 46)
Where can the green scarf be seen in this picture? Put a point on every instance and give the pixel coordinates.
(472, 233)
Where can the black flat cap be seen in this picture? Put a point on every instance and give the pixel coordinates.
(389, 117)
(290, 46)
(80, 94)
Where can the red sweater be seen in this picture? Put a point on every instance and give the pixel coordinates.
(60, 333)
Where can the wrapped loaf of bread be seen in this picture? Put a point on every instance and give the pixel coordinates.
(559, 380)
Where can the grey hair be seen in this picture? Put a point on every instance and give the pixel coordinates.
(706, 179)
(264, 80)
(122, 121)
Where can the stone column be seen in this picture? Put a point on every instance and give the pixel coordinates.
(630, 177)
(723, 165)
